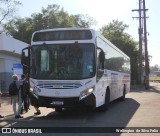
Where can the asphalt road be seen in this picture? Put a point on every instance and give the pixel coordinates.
(140, 109)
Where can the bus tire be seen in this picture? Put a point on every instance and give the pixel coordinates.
(58, 109)
(124, 94)
(105, 106)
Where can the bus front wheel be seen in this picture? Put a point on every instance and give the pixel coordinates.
(105, 106)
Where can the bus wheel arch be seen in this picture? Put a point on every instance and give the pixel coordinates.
(105, 106)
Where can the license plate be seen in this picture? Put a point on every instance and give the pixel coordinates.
(57, 102)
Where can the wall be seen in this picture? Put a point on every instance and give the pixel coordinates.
(10, 53)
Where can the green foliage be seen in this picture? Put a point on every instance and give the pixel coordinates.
(154, 68)
(7, 11)
(51, 17)
(115, 32)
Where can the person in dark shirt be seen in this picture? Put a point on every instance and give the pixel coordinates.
(25, 93)
(0, 105)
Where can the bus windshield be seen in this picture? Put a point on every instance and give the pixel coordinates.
(63, 61)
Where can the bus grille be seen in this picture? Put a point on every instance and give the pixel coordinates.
(59, 86)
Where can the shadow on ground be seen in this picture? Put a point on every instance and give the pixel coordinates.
(118, 115)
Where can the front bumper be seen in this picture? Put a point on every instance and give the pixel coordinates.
(53, 102)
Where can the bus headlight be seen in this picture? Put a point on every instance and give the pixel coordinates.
(85, 93)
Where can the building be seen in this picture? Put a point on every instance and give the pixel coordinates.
(10, 53)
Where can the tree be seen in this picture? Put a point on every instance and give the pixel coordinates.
(115, 32)
(51, 17)
(7, 11)
(154, 68)
(83, 21)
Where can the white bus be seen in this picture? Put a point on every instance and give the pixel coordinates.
(73, 67)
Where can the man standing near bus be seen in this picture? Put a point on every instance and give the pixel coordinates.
(17, 98)
(0, 105)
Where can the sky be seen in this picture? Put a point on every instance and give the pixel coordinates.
(104, 11)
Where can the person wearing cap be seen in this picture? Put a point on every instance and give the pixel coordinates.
(16, 99)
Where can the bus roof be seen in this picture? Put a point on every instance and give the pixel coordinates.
(57, 29)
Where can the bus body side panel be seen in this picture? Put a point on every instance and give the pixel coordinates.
(115, 81)
(114, 72)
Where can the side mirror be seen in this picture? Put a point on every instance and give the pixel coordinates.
(25, 60)
(102, 59)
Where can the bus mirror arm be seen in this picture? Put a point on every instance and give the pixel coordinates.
(28, 67)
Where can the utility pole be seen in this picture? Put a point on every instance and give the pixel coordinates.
(140, 32)
(143, 40)
(146, 50)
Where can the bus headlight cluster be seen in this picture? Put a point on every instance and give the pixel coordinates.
(85, 93)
